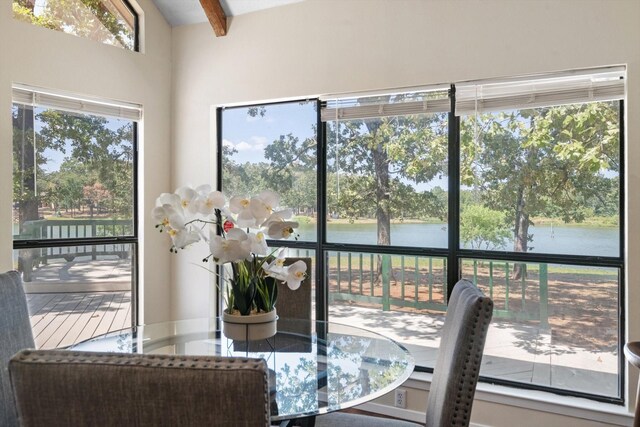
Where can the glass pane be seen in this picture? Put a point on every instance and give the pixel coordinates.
(553, 325)
(273, 147)
(544, 180)
(105, 21)
(72, 175)
(77, 292)
(399, 296)
(387, 179)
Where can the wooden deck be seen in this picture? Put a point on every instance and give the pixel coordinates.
(62, 319)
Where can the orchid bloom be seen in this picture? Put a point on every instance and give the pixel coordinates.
(187, 196)
(169, 216)
(296, 273)
(207, 203)
(258, 243)
(276, 268)
(182, 237)
(241, 206)
(277, 217)
(236, 247)
(262, 205)
(281, 229)
(169, 199)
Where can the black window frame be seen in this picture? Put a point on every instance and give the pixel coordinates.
(454, 254)
(131, 240)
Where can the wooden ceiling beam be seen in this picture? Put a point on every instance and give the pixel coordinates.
(217, 17)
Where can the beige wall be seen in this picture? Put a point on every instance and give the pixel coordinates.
(54, 60)
(332, 46)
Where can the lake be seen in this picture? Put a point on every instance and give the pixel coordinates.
(567, 240)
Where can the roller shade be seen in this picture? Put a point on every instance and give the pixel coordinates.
(396, 104)
(30, 96)
(603, 85)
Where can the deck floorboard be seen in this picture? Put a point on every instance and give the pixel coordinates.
(62, 319)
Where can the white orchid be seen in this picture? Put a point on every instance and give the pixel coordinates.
(242, 207)
(189, 215)
(231, 249)
(281, 229)
(293, 275)
(262, 205)
(258, 243)
(206, 204)
(275, 268)
(183, 237)
(278, 216)
(187, 196)
(296, 273)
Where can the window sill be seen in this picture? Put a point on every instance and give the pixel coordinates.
(568, 406)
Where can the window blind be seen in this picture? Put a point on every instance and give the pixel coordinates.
(35, 97)
(386, 105)
(544, 91)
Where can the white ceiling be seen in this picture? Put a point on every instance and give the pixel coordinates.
(183, 12)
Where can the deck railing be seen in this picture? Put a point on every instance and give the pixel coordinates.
(29, 259)
(420, 283)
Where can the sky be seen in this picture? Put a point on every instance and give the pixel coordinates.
(250, 135)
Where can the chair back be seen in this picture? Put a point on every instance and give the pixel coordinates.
(292, 335)
(15, 335)
(295, 304)
(458, 365)
(57, 387)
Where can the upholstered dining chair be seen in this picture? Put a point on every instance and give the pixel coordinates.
(455, 374)
(15, 335)
(632, 353)
(291, 305)
(57, 387)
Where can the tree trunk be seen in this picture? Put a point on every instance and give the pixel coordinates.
(521, 233)
(383, 217)
(24, 147)
(383, 196)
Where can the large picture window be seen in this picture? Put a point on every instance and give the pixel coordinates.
(514, 185)
(74, 210)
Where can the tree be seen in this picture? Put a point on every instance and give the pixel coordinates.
(483, 228)
(407, 149)
(542, 161)
(97, 149)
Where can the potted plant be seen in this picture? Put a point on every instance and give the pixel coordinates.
(236, 234)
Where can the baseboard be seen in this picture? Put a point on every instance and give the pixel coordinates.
(391, 411)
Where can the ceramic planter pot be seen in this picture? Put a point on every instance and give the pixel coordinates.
(249, 328)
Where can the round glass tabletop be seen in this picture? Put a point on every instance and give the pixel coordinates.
(315, 367)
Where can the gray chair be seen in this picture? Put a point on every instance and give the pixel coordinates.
(66, 388)
(15, 335)
(291, 306)
(632, 352)
(457, 368)
(295, 304)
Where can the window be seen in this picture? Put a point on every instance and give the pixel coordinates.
(112, 22)
(274, 146)
(514, 185)
(74, 210)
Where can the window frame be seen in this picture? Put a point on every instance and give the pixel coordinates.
(454, 253)
(131, 240)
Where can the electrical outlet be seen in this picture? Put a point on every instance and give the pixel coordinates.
(401, 398)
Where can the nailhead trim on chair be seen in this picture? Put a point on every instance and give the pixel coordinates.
(165, 361)
(461, 415)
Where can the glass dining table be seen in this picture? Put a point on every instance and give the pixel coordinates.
(315, 367)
